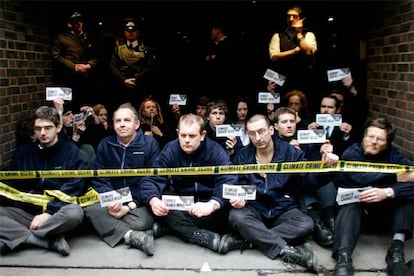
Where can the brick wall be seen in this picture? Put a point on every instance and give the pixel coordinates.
(390, 64)
(25, 68)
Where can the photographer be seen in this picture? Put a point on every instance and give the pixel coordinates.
(74, 127)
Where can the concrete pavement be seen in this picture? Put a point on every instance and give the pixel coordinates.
(91, 256)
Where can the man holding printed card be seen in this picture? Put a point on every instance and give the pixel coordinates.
(121, 214)
(385, 200)
(273, 222)
(205, 218)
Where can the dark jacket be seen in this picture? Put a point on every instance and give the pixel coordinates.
(377, 179)
(277, 192)
(64, 155)
(202, 187)
(211, 133)
(140, 153)
(69, 49)
(142, 69)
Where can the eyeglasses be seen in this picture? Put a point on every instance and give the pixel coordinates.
(261, 132)
(378, 140)
(46, 128)
(295, 16)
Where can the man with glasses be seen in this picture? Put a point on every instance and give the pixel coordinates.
(25, 223)
(385, 200)
(292, 53)
(273, 222)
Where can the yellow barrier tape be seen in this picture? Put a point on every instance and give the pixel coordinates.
(92, 197)
(283, 167)
(89, 198)
(16, 195)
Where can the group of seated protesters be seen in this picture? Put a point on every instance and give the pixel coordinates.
(288, 209)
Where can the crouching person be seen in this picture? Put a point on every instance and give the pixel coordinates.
(129, 148)
(28, 224)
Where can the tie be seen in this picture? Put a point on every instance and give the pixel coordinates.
(328, 134)
(130, 46)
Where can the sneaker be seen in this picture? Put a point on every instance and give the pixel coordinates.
(206, 238)
(292, 255)
(60, 245)
(343, 265)
(395, 254)
(232, 242)
(142, 240)
(159, 230)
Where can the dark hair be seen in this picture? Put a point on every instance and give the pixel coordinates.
(302, 97)
(24, 130)
(382, 123)
(47, 113)
(257, 117)
(283, 110)
(218, 103)
(329, 96)
(202, 101)
(296, 8)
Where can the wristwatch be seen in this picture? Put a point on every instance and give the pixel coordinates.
(388, 192)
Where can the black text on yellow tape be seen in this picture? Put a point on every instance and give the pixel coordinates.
(283, 167)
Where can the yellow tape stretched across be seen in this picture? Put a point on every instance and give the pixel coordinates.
(283, 167)
(92, 197)
(89, 198)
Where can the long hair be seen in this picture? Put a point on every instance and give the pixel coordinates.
(141, 111)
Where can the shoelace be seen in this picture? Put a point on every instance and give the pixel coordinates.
(288, 259)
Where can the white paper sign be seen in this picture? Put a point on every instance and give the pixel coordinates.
(228, 129)
(338, 74)
(179, 99)
(77, 118)
(349, 195)
(311, 136)
(246, 192)
(179, 203)
(331, 120)
(268, 97)
(123, 195)
(53, 93)
(271, 75)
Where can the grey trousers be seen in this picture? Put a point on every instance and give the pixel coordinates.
(112, 230)
(15, 223)
(271, 235)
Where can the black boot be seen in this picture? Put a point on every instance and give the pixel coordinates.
(328, 217)
(395, 255)
(232, 242)
(292, 255)
(159, 230)
(321, 234)
(206, 238)
(343, 265)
